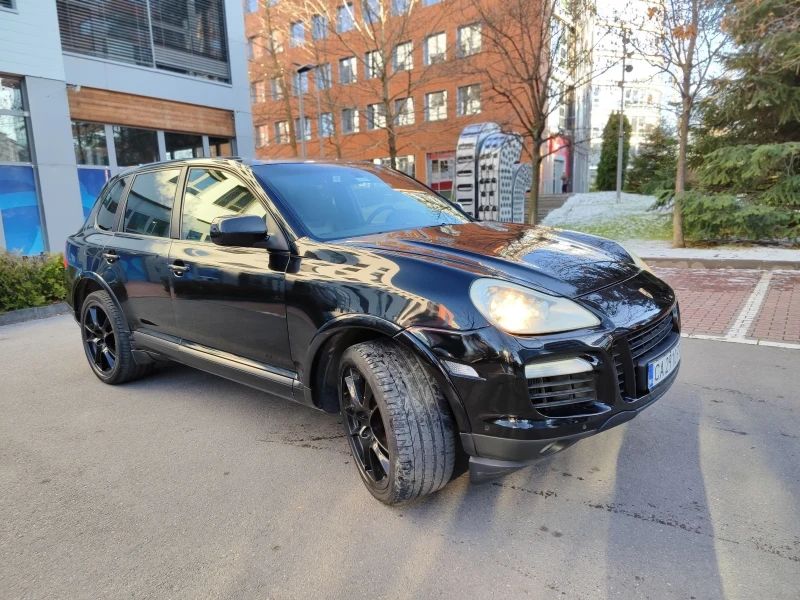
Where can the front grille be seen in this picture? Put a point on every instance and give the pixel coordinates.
(636, 345)
(564, 395)
(643, 341)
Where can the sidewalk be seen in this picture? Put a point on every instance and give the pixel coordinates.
(738, 305)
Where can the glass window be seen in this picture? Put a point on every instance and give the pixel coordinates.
(435, 48)
(374, 64)
(276, 41)
(183, 37)
(376, 116)
(11, 94)
(319, 27)
(323, 76)
(251, 6)
(469, 100)
(135, 146)
(183, 145)
(149, 204)
(350, 120)
(299, 82)
(404, 111)
(258, 92)
(220, 146)
(344, 18)
(436, 106)
(211, 193)
(14, 139)
(403, 58)
(262, 136)
(347, 70)
(401, 7)
(371, 11)
(469, 39)
(276, 88)
(19, 209)
(89, 140)
(282, 132)
(297, 34)
(335, 202)
(109, 204)
(307, 127)
(326, 125)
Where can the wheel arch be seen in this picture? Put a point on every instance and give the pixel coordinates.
(88, 283)
(320, 368)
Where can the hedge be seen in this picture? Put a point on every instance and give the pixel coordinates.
(27, 281)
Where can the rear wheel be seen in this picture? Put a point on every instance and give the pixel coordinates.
(106, 342)
(397, 421)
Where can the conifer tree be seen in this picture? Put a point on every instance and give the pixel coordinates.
(607, 167)
(747, 155)
(653, 167)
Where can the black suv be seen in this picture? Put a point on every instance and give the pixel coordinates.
(354, 289)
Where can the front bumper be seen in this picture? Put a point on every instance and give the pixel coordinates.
(513, 423)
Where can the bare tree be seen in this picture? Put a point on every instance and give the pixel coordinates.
(377, 35)
(684, 39)
(531, 63)
(268, 59)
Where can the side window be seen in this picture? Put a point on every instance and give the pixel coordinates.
(150, 203)
(211, 193)
(109, 204)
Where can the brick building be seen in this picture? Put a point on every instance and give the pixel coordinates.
(430, 90)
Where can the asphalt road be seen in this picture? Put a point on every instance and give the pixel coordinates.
(188, 486)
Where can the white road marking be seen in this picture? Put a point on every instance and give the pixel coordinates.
(750, 309)
(719, 338)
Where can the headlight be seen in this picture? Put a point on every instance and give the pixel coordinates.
(521, 310)
(636, 260)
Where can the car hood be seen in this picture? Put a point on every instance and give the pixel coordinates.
(566, 263)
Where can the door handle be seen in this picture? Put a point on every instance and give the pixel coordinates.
(111, 256)
(179, 270)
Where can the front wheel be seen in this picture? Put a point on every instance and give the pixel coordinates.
(397, 421)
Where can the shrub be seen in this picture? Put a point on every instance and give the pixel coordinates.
(27, 281)
(725, 216)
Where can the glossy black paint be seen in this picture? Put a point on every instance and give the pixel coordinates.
(275, 317)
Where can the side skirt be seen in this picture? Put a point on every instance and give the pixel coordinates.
(266, 378)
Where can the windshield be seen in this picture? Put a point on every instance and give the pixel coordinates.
(338, 201)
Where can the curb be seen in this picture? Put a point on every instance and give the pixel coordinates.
(723, 263)
(37, 312)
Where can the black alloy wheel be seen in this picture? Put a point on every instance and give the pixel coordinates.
(106, 341)
(99, 340)
(366, 428)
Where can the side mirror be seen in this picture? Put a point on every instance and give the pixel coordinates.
(238, 230)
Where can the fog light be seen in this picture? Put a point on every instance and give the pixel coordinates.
(460, 370)
(514, 423)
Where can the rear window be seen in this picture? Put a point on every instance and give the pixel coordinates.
(339, 201)
(109, 203)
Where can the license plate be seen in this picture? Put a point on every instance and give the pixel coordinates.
(660, 368)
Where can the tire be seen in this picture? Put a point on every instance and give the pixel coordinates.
(413, 437)
(106, 342)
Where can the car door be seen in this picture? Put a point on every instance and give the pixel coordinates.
(228, 298)
(136, 255)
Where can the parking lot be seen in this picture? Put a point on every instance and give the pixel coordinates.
(188, 486)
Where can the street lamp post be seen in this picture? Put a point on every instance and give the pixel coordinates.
(300, 92)
(621, 137)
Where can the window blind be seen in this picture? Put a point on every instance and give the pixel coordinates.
(183, 36)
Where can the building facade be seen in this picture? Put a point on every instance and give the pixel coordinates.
(433, 98)
(89, 87)
(646, 94)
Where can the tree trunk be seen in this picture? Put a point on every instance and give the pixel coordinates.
(287, 107)
(680, 176)
(533, 204)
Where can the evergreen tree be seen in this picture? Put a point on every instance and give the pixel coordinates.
(607, 167)
(653, 168)
(747, 155)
